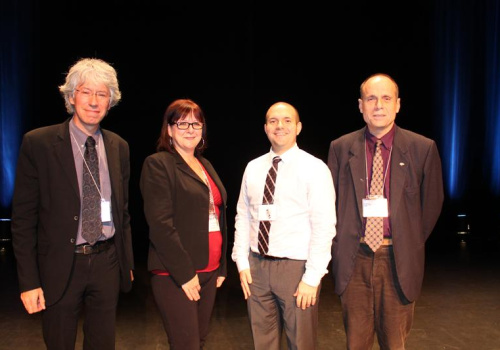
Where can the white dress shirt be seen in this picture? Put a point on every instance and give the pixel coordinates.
(305, 217)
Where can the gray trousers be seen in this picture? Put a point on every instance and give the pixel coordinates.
(272, 307)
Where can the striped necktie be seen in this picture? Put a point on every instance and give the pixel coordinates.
(268, 198)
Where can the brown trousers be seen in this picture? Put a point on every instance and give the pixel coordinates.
(373, 303)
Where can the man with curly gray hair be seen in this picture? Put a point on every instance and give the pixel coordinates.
(70, 221)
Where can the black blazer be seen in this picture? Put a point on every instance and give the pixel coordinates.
(46, 209)
(176, 203)
(416, 198)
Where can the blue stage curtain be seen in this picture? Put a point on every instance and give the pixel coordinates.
(454, 89)
(16, 47)
(492, 38)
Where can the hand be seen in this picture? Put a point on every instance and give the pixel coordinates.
(306, 295)
(220, 280)
(33, 300)
(246, 280)
(192, 288)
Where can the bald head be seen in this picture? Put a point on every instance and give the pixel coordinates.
(283, 107)
(377, 78)
(282, 126)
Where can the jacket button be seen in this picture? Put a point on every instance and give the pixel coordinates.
(72, 240)
(75, 217)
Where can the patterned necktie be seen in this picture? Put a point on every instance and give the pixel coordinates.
(91, 210)
(268, 198)
(374, 232)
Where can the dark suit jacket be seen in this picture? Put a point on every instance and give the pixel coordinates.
(176, 203)
(416, 198)
(46, 209)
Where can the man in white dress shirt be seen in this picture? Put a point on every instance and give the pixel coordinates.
(282, 285)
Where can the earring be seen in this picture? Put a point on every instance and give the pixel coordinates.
(203, 143)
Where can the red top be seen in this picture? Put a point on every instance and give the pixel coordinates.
(214, 238)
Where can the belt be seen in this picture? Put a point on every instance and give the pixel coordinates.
(99, 246)
(268, 257)
(386, 241)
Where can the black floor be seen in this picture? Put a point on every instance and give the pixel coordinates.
(459, 307)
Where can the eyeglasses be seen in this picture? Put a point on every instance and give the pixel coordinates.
(87, 94)
(185, 125)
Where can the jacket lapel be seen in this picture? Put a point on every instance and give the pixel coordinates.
(357, 164)
(113, 159)
(399, 168)
(64, 153)
(184, 167)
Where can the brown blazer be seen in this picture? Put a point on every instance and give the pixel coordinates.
(416, 198)
(176, 203)
(46, 209)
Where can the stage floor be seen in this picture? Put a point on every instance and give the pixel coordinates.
(459, 307)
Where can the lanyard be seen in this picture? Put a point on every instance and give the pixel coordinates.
(211, 210)
(85, 163)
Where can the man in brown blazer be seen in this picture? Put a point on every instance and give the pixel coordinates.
(378, 288)
(59, 272)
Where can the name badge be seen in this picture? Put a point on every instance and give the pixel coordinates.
(213, 223)
(375, 207)
(105, 211)
(267, 212)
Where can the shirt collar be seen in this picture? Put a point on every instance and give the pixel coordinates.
(285, 156)
(80, 136)
(387, 139)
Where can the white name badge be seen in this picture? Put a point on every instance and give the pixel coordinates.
(105, 211)
(267, 212)
(213, 223)
(376, 207)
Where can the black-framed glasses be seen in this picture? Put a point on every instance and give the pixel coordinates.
(185, 125)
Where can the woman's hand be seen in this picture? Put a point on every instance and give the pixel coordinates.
(220, 280)
(192, 288)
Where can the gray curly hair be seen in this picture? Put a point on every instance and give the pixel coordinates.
(93, 70)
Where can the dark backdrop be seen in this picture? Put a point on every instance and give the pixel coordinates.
(235, 59)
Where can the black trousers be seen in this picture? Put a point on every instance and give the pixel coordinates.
(93, 289)
(186, 322)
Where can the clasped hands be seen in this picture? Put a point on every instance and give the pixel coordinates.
(192, 287)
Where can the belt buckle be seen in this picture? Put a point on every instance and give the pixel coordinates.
(87, 249)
